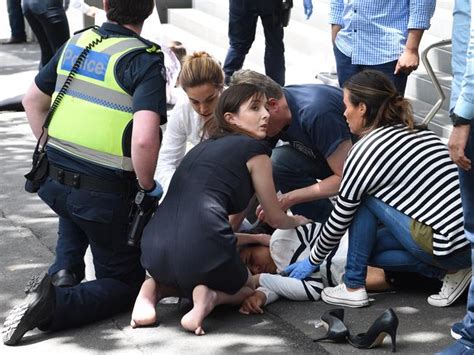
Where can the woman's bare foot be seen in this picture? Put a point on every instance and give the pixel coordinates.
(204, 300)
(144, 310)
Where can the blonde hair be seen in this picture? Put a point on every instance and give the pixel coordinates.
(201, 68)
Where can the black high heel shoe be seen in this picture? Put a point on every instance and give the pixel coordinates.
(333, 322)
(387, 323)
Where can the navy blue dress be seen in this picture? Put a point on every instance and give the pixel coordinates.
(189, 240)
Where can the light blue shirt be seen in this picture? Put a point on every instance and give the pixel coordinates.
(375, 31)
(462, 93)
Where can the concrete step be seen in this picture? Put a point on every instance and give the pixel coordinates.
(440, 59)
(294, 73)
(440, 124)
(199, 23)
(214, 30)
(193, 42)
(319, 20)
(420, 86)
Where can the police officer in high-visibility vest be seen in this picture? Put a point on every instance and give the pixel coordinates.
(103, 143)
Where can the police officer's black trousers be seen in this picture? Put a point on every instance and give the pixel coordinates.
(101, 218)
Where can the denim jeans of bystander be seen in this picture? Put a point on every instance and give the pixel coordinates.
(391, 247)
(345, 69)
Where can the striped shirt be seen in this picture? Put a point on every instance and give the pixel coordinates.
(375, 31)
(409, 170)
(291, 245)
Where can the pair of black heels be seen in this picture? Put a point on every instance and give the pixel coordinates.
(385, 324)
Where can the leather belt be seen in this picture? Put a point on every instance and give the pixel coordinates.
(81, 181)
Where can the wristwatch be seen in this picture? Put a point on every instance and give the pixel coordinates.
(458, 120)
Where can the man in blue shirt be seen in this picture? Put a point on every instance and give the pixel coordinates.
(311, 119)
(461, 149)
(380, 35)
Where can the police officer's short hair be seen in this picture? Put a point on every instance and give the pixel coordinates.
(129, 12)
(272, 89)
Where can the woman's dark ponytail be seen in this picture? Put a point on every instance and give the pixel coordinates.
(385, 106)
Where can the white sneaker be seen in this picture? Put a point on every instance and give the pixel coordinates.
(340, 296)
(453, 287)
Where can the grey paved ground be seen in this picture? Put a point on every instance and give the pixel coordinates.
(27, 239)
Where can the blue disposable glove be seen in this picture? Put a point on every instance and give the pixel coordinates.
(301, 269)
(308, 8)
(156, 192)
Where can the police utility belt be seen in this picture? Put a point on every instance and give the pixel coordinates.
(82, 181)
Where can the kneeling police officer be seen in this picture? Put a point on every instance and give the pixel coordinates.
(104, 96)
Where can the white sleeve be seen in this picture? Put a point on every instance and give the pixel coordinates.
(173, 146)
(79, 5)
(308, 289)
(269, 294)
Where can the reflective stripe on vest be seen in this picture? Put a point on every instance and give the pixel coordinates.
(104, 159)
(94, 114)
(96, 94)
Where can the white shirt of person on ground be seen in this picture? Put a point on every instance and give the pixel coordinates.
(291, 245)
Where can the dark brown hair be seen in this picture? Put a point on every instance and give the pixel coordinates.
(230, 101)
(129, 12)
(385, 107)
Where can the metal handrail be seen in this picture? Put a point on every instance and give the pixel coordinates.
(434, 79)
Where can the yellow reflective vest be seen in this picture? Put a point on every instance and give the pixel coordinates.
(95, 113)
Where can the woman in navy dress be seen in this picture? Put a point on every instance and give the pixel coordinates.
(189, 247)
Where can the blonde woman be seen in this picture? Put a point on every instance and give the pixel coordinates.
(202, 80)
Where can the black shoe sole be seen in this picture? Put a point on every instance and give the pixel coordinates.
(31, 313)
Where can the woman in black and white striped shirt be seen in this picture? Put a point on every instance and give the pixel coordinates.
(402, 177)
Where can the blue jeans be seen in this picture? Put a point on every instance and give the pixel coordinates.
(48, 21)
(466, 179)
(101, 219)
(345, 69)
(294, 170)
(243, 16)
(390, 248)
(15, 18)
